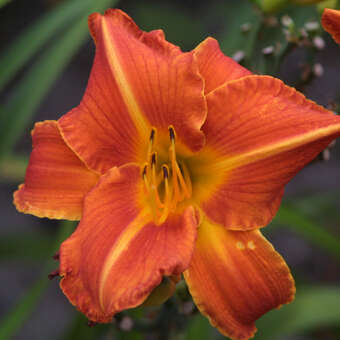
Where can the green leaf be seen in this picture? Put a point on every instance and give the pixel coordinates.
(12, 322)
(36, 35)
(29, 93)
(321, 208)
(184, 31)
(25, 247)
(79, 329)
(310, 230)
(35, 85)
(199, 328)
(233, 37)
(301, 15)
(264, 43)
(313, 308)
(272, 38)
(13, 169)
(132, 335)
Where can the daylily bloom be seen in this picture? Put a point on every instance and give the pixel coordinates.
(172, 162)
(331, 23)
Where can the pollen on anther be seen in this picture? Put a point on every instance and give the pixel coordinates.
(153, 159)
(53, 274)
(165, 172)
(251, 245)
(152, 134)
(144, 170)
(171, 133)
(240, 245)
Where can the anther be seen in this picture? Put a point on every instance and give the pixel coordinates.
(165, 172)
(144, 170)
(152, 134)
(56, 256)
(153, 159)
(91, 323)
(53, 274)
(172, 133)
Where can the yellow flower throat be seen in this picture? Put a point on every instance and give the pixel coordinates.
(166, 183)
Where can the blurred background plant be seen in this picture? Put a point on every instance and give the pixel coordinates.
(45, 59)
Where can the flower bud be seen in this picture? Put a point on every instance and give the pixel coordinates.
(270, 6)
(163, 291)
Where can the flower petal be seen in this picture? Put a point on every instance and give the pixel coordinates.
(260, 133)
(235, 277)
(138, 80)
(331, 23)
(117, 255)
(56, 179)
(215, 67)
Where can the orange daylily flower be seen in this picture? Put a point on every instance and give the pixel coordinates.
(331, 23)
(172, 162)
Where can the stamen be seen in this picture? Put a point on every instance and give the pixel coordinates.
(155, 178)
(187, 179)
(154, 181)
(172, 133)
(176, 193)
(151, 143)
(152, 135)
(167, 195)
(182, 181)
(56, 256)
(145, 178)
(145, 170)
(180, 167)
(165, 172)
(153, 159)
(53, 274)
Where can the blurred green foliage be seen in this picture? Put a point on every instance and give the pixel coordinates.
(260, 34)
(21, 106)
(313, 308)
(4, 2)
(18, 315)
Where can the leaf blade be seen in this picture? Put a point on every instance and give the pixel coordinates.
(23, 103)
(35, 36)
(314, 307)
(310, 230)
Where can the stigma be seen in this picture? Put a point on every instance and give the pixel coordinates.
(167, 181)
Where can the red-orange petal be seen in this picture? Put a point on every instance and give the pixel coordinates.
(331, 23)
(235, 277)
(215, 67)
(56, 179)
(117, 255)
(138, 80)
(259, 140)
